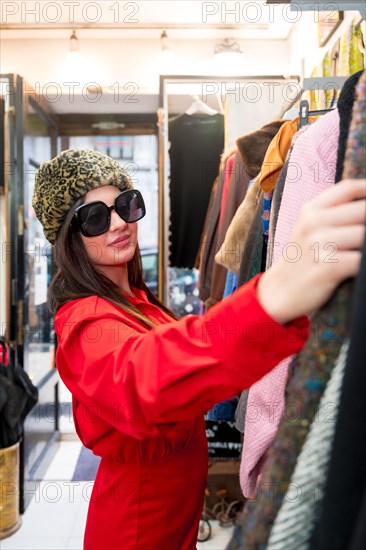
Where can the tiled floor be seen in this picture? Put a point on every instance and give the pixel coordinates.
(55, 518)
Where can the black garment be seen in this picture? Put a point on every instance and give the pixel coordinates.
(344, 106)
(196, 143)
(359, 534)
(346, 483)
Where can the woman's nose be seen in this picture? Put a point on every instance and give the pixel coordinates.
(116, 221)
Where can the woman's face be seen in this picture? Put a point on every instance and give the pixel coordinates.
(118, 244)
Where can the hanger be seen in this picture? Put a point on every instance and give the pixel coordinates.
(199, 107)
(305, 113)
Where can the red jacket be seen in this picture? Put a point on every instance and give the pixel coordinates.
(138, 402)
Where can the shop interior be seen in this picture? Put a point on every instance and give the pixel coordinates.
(171, 90)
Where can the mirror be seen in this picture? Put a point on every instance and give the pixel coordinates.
(200, 118)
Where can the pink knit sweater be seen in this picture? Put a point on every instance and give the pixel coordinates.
(311, 171)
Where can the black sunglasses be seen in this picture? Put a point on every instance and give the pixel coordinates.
(94, 218)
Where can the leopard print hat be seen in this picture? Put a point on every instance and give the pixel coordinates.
(60, 182)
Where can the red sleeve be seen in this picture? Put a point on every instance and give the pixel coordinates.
(175, 371)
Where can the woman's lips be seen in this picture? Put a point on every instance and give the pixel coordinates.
(121, 242)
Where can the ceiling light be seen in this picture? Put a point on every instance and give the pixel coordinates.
(74, 42)
(228, 58)
(228, 45)
(166, 54)
(164, 42)
(73, 53)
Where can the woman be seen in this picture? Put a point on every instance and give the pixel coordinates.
(142, 380)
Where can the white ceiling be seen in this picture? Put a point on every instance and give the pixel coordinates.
(183, 19)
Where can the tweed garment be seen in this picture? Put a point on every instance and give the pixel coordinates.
(355, 158)
(344, 106)
(295, 520)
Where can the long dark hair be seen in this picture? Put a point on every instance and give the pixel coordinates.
(76, 276)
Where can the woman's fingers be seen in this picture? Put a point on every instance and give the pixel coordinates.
(324, 250)
(344, 191)
(328, 243)
(348, 265)
(349, 213)
(349, 237)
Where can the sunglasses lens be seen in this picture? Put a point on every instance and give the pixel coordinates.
(130, 206)
(94, 218)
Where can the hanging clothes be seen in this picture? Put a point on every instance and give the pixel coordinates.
(253, 146)
(238, 185)
(267, 202)
(196, 143)
(210, 234)
(356, 57)
(208, 244)
(223, 411)
(308, 374)
(316, 147)
(295, 521)
(343, 507)
(240, 412)
(344, 106)
(275, 207)
(232, 249)
(253, 253)
(231, 283)
(252, 149)
(229, 167)
(276, 154)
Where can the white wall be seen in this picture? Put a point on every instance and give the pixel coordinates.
(305, 51)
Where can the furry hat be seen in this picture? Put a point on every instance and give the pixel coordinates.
(60, 182)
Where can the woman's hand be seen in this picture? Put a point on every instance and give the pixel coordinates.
(326, 247)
